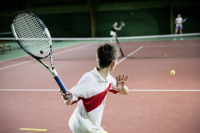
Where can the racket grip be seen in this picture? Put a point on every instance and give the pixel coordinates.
(61, 85)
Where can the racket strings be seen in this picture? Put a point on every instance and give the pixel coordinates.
(32, 35)
(122, 24)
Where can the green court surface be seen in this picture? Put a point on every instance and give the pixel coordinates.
(18, 52)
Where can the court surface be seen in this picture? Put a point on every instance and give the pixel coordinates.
(157, 102)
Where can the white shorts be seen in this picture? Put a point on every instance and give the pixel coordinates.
(112, 33)
(179, 27)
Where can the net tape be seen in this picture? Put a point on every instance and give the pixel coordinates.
(106, 38)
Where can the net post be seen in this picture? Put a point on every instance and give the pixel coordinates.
(120, 47)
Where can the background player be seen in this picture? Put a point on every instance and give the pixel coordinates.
(113, 32)
(91, 92)
(179, 26)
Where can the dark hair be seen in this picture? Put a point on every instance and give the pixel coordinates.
(106, 53)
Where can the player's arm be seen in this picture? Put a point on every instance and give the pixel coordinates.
(124, 90)
(117, 28)
(79, 91)
(121, 87)
(175, 22)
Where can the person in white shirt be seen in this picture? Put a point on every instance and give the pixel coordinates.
(113, 32)
(92, 89)
(179, 26)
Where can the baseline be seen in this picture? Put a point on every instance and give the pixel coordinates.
(48, 90)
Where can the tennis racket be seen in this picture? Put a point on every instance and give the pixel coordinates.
(122, 24)
(34, 38)
(184, 20)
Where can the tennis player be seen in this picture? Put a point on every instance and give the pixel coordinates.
(92, 89)
(179, 26)
(113, 32)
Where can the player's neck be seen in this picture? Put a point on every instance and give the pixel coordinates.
(104, 72)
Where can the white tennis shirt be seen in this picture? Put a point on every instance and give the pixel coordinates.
(179, 21)
(90, 93)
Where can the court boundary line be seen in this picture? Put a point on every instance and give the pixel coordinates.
(17, 64)
(53, 54)
(50, 90)
(164, 90)
(129, 54)
(29, 55)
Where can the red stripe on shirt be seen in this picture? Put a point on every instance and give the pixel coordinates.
(114, 91)
(94, 101)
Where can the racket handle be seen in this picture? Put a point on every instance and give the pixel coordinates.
(61, 85)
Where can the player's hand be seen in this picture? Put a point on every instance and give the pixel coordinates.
(66, 96)
(121, 80)
(121, 87)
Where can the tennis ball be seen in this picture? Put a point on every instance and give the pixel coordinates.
(172, 72)
(165, 55)
(41, 52)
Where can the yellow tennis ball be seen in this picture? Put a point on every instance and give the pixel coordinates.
(172, 72)
(165, 55)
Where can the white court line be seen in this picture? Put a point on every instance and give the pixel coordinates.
(178, 45)
(16, 64)
(14, 58)
(129, 55)
(48, 90)
(54, 54)
(163, 90)
(74, 49)
(29, 90)
(29, 55)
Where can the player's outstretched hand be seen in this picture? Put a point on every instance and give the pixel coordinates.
(66, 97)
(121, 80)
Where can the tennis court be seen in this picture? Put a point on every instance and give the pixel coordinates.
(159, 43)
(157, 101)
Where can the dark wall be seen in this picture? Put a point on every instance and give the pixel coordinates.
(5, 25)
(137, 22)
(59, 25)
(147, 22)
(68, 25)
(193, 19)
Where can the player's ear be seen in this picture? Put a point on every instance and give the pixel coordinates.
(114, 63)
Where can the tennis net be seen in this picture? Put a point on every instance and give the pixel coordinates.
(4, 34)
(151, 47)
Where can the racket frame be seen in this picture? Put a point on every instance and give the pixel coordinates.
(52, 69)
(185, 19)
(122, 24)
